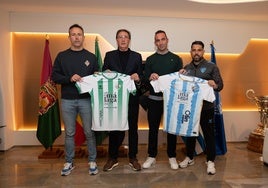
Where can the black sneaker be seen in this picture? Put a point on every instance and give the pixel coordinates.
(110, 164)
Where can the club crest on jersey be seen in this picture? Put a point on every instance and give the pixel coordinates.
(87, 63)
(203, 69)
(195, 88)
(118, 86)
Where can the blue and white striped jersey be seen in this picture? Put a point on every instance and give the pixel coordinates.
(183, 100)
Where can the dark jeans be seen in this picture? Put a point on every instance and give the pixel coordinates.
(116, 137)
(154, 115)
(207, 124)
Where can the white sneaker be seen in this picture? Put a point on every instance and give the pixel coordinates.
(186, 162)
(68, 167)
(149, 162)
(173, 163)
(93, 169)
(211, 170)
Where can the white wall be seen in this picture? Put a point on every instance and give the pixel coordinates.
(228, 36)
(6, 84)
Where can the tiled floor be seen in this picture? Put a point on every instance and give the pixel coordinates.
(239, 167)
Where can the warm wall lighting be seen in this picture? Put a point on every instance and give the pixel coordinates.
(236, 70)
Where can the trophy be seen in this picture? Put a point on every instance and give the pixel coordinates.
(256, 137)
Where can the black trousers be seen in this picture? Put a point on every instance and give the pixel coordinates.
(154, 115)
(207, 123)
(116, 137)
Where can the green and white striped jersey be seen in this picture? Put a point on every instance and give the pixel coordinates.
(109, 99)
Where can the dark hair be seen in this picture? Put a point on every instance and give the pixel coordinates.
(160, 31)
(123, 30)
(76, 25)
(198, 42)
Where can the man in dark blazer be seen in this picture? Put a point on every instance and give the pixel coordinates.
(126, 61)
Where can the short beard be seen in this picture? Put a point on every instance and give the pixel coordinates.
(197, 60)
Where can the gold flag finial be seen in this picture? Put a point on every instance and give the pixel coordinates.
(212, 42)
(47, 37)
(96, 39)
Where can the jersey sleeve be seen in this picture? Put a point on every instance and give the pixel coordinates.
(85, 85)
(131, 85)
(156, 85)
(163, 82)
(208, 92)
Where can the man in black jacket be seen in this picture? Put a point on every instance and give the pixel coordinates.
(126, 61)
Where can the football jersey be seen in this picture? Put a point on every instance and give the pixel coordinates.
(109, 99)
(183, 100)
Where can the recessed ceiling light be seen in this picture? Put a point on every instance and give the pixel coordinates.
(226, 1)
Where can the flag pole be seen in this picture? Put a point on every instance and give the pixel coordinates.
(100, 135)
(47, 38)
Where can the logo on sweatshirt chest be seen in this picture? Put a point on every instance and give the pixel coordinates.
(87, 63)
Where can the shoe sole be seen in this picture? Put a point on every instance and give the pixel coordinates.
(189, 164)
(132, 167)
(69, 172)
(210, 173)
(94, 172)
(109, 169)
